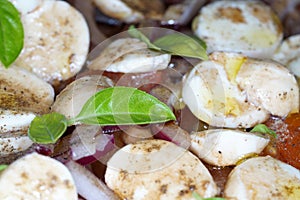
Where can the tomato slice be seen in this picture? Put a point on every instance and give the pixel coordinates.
(288, 142)
(288, 138)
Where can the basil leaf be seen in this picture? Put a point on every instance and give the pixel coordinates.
(123, 105)
(133, 32)
(3, 167)
(175, 44)
(48, 128)
(182, 45)
(201, 42)
(11, 33)
(111, 106)
(261, 128)
(198, 197)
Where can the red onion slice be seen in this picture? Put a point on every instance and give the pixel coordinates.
(88, 185)
(44, 149)
(82, 142)
(110, 129)
(173, 133)
(89, 144)
(104, 149)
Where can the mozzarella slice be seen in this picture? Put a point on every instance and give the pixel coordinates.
(28, 6)
(224, 147)
(269, 85)
(56, 40)
(157, 169)
(263, 178)
(131, 11)
(249, 27)
(14, 142)
(37, 177)
(231, 90)
(22, 90)
(71, 99)
(129, 55)
(293, 65)
(288, 50)
(288, 54)
(119, 10)
(14, 120)
(211, 93)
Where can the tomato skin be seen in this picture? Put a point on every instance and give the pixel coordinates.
(288, 142)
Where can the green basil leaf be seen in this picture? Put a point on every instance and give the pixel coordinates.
(111, 106)
(3, 167)
(123, 106)
(133, 32)
(175, 44)
(182, 45)
(48, 128)
(11, 33)
(261, 128)
(201, 42)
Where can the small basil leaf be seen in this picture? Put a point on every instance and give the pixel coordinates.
(123, 105)
(11, 33)
(133, 32)
(3, 167)
(48, 128)
(182, 45)
(261, 128)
